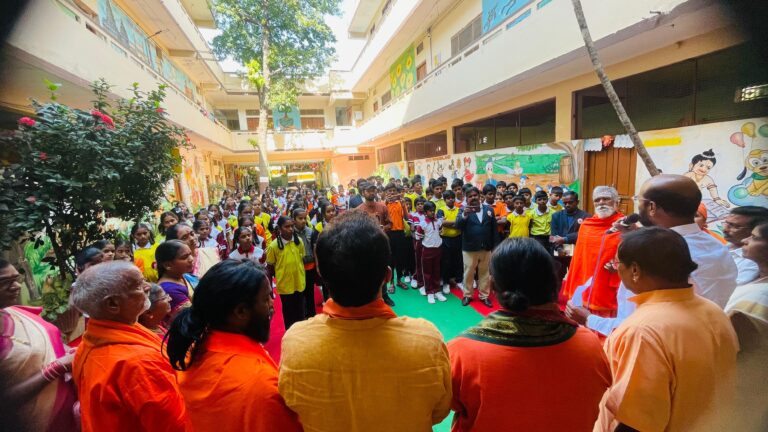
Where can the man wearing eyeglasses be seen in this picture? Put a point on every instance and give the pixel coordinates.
(671, 201)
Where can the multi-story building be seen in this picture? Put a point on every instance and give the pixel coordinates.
(483, 90)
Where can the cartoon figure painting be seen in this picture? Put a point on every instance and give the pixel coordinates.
(753, 186)
(698, 171)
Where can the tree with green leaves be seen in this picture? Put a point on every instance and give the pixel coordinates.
(67, 170)
(282, 44)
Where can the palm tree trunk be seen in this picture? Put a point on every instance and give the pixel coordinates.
(609, 90)
(264, 108)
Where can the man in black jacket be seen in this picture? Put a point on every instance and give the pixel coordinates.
(565, 229)
(478, 227)
(566, 223)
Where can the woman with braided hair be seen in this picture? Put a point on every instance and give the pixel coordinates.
(285, 262)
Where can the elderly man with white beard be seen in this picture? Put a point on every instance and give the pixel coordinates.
(592, 272)
(123, 381)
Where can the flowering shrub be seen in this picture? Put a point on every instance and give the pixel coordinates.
(71, 169)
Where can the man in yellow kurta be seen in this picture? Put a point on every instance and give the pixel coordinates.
(358, 366)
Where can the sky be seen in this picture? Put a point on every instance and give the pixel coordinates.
(347, 49)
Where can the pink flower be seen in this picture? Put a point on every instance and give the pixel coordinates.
(43, 156)
(31, 199)
(26, 121)
(160, 110)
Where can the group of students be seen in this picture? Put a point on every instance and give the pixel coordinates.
(441, 237)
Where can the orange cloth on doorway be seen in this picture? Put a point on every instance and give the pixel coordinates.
(594, 249)
(232, 385)
(124, 383)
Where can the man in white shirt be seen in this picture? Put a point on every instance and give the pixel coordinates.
(671, 201)
(738, 226)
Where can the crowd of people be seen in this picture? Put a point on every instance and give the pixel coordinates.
(608, 322)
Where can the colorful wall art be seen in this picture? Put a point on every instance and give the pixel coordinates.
(402, 73)
(729, 161)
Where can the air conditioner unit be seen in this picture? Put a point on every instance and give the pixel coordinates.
(358, 115)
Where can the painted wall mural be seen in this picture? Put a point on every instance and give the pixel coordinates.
(537, 167)
(120, 26)
(402, 73)
(394, 170)
(729, 161)
(194, 189)
(497, 11)
(287, 118)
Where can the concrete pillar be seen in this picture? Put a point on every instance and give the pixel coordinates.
(563, 115)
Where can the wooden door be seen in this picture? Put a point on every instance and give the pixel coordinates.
(611, 167)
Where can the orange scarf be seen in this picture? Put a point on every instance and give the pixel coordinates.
(374, 309)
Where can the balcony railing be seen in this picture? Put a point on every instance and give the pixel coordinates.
(278, 141)
(94, 28)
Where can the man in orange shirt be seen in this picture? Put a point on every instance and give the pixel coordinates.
(230, 381)
(123, 382)
(396, 235)
(593, 256)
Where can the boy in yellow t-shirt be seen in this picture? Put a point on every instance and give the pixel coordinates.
(452, 265)
(555, 195)
(519, 219)
(541, 220)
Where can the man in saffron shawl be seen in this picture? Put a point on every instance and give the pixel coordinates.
(591, 271)
(123, 381)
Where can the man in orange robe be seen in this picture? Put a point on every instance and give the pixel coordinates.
(123, 382)
(594, 254)
(230, 382)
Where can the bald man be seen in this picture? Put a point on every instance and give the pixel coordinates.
(671, 201)
(123, 382)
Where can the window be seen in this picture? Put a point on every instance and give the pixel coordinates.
(697, 91)
(389, 154)
(252, 119)
(343, 116)
(312, 118)
(421, 71)
(376, 106)
(534, 124)
(721, 78)
(419, 48)
(466, 36)
(427, 146)
(228, 118)
(385, 98)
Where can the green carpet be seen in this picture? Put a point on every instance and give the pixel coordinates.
(450, 317)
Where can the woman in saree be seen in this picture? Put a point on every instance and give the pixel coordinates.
(35, 386)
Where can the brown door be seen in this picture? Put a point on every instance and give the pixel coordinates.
(611, 167)
(421, 71)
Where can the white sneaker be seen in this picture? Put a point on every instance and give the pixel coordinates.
(440, 297)
(414, 284)
(407, 279)
(431, 299)
(446, 289)
(460, 285)
(423, 291)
